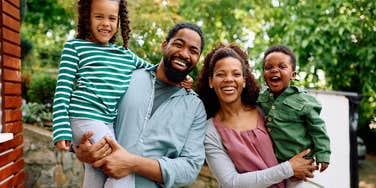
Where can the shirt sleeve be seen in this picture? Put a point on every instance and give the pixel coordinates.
(66, 76)
(226, 174)
(184, 169)
(316, 128)
(139, 62)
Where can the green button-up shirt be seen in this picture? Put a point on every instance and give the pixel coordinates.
(294, 124)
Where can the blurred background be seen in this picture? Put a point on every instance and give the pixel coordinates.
(334, 41)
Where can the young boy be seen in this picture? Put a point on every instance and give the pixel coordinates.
(292, 116)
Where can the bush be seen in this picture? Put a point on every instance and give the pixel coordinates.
(41, 89)
(35, 113)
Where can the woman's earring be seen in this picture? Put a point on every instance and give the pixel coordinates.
(244, 85)
(211, 87)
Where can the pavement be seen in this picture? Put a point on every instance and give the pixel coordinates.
(367, 172)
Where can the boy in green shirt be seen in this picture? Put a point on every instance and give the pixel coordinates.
(292, 116)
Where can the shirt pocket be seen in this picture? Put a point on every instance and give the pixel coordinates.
(292, 110)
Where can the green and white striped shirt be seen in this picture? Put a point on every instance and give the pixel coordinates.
(101, 75)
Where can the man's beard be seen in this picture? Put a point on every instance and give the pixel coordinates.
(173, 74)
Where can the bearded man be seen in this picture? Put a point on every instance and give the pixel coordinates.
(160, 126)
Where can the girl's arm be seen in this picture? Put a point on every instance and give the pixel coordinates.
(67, 72)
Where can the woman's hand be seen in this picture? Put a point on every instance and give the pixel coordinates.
(88, 152)
(302, 167)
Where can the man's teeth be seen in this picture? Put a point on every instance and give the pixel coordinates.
(180, 63)
(275, 78)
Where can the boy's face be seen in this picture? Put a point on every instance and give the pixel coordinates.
(103, 20)
(278, 72)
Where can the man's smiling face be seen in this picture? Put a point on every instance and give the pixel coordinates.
(181, 54)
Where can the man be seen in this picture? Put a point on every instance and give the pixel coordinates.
(161, 125)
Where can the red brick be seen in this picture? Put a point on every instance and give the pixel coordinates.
(12, 115)
(12, 88)
(11, 156)
(14, 2)
(11, 23)
(17, 140)
(11, 62)
(12, 169)
(13, 127)
(16, 181)
(11, 9)
(11, 35)
(12, 75)
(12, 101)
(11, 49)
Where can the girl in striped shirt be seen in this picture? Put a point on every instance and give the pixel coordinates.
(93, 74)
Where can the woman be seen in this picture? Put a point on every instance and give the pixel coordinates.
(238, 148)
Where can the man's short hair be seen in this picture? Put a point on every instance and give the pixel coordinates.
(186, 25)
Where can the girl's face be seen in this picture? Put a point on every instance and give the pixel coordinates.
(227, 80)
(103, 20)
(278, 72)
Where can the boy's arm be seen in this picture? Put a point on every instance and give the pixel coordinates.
(317, 130)
(64, 86)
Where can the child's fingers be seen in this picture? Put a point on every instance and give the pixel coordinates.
(323, 166)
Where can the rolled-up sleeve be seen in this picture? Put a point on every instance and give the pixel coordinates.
(184, 169)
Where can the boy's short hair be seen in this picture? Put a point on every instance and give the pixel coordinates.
(282, 49)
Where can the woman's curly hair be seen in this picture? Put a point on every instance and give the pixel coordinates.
(207, 95)
(83, 27)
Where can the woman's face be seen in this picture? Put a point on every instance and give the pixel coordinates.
(227, 80)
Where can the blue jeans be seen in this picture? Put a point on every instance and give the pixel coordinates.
(95, 178)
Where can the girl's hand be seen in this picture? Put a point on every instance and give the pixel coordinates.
(187, 83)
(62, 145)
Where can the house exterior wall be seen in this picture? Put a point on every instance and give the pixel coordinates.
(11, 152)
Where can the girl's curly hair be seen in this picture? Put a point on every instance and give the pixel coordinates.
(207, 95)
(83, 27)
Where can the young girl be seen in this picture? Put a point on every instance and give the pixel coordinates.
(93, 75)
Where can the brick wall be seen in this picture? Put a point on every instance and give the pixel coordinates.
(11, 152)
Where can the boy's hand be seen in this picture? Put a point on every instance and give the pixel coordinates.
(63, 145)
(323, 166)
(187, 83)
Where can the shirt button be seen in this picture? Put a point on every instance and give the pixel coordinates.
(269, 130)
(273, 107)
(142, 140)
(271, 94)
(269, 119)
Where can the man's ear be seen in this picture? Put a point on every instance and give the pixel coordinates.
(164, 45)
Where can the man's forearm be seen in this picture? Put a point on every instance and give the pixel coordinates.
(148, 168)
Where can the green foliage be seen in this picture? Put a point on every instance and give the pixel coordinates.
(46, 25)
(36, 113)
(41, 89)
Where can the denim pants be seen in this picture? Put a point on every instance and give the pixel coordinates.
(95, 178)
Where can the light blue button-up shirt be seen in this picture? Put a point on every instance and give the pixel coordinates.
(174, 135)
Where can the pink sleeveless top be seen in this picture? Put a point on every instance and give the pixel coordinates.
(249, 150)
